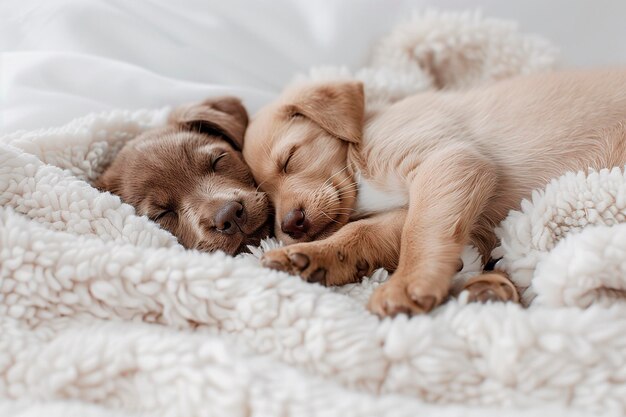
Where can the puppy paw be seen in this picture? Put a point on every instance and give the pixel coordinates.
(318, 262)
(406, 295)
(491, 287)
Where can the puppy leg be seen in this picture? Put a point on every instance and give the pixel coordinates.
(353, 252)
(491, 286)
(448, 192)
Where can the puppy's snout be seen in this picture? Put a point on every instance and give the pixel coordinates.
(230, 218)
(295, 224)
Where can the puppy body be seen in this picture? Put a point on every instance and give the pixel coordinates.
(377, 197)
(531, 128)
(456, 161)
(524, 131)
(190, 177)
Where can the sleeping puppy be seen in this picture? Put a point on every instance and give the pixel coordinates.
(191, 179)
(423, 177)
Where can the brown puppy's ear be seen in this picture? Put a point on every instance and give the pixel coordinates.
(224, 116)
(336, 107)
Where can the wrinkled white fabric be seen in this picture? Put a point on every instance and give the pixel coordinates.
(63, 59)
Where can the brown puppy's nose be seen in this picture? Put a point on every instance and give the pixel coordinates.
(295, 224)
(230, 217)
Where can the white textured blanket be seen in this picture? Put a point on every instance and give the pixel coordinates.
(104, 314)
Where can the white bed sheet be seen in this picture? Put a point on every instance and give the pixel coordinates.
(62, 59)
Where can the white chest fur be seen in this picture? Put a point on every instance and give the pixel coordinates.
(376, 199)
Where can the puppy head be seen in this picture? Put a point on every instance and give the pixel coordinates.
(191, 179)
(297, 150)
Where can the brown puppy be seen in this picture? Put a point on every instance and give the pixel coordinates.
(190, 178)
(426, 176)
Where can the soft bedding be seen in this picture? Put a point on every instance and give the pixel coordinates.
(63, 59)
(103, 314)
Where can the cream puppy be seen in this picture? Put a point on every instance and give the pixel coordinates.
(423, 177)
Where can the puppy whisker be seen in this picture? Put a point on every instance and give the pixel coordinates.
(329, 179)
(259, 186)
(330, 218)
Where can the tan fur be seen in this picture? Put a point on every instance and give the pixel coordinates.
(353, 252)
(464, 159)
(173, 176)
(491, 286)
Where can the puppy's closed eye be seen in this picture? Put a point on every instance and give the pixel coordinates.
(285, 164)
(163, 214)
(218, 162)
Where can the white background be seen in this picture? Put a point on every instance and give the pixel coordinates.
(64, 58)
(588, 32)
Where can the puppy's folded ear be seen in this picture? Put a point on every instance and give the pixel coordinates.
(337, 107)
(223, 116)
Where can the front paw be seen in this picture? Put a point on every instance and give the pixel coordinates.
(407, 294)
(296, 262)
(317, 262)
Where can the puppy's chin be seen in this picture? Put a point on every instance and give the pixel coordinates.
(238, 243)
(232, 247)
(254, 239)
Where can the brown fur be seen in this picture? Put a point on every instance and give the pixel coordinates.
(182, 174)
(463, 160)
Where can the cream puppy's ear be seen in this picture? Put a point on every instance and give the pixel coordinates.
(223, 116)
(336, 107)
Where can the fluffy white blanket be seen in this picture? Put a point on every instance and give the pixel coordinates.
(104, 314)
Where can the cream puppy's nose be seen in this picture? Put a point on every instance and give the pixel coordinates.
(295, 224)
